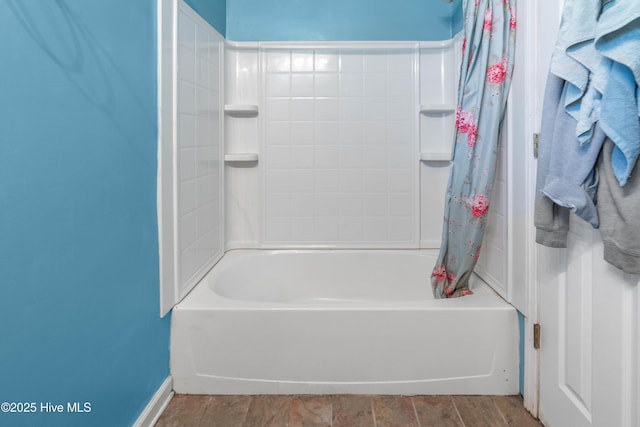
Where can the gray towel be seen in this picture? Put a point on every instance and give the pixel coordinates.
(619, 220)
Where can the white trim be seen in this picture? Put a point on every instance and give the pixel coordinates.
(441, 44)
(531, 391)
(536, 73)
(416, 203)
(156, 406)
(344, 44)
(361, 45)
(355, 245)
(167, 16)
(240, 45)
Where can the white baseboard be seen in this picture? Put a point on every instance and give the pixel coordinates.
(156, 405)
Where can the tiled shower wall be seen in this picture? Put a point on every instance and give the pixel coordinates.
(339, 150)
(198, 149)
(339, 136)
(493, 263)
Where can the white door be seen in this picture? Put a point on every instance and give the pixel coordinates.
(589, 364)
(565, 305)
(564, 296)
(588, 310)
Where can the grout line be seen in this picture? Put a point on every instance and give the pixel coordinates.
(415, 411)
(499, 411)
(204, 410)
(246, 412)
(457, 411)
(331, 406)
(373, 411)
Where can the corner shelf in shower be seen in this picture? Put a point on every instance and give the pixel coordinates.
(241, 157)
(437, 108)
(241, 110)
(435, 157)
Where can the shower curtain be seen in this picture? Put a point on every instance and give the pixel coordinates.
(485, 76)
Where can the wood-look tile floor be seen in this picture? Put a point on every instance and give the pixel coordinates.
(347, 411)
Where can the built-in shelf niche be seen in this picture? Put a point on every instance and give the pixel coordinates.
(241, 110)
(435, 157)
(243, 113)
(437, 108)
(241, 157)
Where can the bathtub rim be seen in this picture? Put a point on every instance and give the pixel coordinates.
(203, 296)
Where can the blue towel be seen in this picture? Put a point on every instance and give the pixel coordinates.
(571, 33)
(618, 34)
(577, 61)
(618, 39)
(619, 120)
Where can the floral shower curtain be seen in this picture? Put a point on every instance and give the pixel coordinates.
(485, 77)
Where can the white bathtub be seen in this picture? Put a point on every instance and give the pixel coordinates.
(341, 321)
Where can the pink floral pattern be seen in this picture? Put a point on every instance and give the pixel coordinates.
(480, 206)
(497, 73)
(440, 273)
(513, 20)
(465, 124)
(464, 120)
(471, 136)
(488, 48)
(488, 20)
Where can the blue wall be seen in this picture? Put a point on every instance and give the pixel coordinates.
(457, 18)
(213, 11)
(521, 320)
(312, 20)
(78, 228)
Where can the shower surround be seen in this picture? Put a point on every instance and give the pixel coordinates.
(331, 165)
